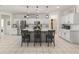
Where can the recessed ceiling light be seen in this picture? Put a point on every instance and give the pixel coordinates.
(57, 7)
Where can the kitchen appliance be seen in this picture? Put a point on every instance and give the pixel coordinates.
(66, 26)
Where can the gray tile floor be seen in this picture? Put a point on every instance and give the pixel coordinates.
(10, 44)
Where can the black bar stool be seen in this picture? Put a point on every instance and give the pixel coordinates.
(50, 37)
(37, 36)
(25, 37)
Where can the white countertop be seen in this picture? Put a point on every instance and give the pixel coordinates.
(74, 30)
(42, 29)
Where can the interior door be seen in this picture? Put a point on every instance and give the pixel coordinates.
(5, 24)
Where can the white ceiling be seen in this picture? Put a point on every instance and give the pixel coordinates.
(33, 9)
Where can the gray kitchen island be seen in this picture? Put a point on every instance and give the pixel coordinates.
(44, 32)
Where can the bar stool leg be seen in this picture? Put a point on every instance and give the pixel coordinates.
(34, 43)
(54, 43)
(48, 44)
(29, 39)
(46, 39)
(40, 43)
(22, 42)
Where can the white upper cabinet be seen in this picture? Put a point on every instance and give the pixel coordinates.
(76, 18)
(62, 20)
(70, 18)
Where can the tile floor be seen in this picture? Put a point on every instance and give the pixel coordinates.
(10, 44)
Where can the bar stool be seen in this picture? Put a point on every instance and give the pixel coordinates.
(25, 37)
(50, 37)
(37, 36)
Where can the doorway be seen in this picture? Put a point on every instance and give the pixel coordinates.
(5, 24)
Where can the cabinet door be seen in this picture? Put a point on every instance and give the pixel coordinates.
(62, 20)
(60, 33)
(64, 35)
(66, 19)
(76, 18)
(70, 18)
(67, 36)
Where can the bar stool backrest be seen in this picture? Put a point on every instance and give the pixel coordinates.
(37, 33)
(51, 33)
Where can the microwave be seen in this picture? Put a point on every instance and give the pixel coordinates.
(65, 26)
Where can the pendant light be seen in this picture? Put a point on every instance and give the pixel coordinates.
(37, 12)
(47, 16)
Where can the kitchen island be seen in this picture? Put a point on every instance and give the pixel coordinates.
(44, 32)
